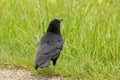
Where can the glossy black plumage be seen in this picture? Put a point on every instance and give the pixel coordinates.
(50, 45)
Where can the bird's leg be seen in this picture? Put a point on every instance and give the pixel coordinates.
(54, 62)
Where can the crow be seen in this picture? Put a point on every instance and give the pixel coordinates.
(50, 45)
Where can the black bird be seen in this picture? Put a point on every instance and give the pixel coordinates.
(50, 45)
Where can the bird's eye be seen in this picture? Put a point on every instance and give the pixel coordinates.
(58, 24)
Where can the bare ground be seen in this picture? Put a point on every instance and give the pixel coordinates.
(22, 74)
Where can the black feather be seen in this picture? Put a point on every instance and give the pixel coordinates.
(50, 45)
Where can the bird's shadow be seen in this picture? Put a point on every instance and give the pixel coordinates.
(48, 71)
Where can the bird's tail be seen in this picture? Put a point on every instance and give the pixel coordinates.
(42, 64)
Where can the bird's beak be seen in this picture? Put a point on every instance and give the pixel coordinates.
(60, 19)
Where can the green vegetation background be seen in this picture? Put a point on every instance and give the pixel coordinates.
(91, 30)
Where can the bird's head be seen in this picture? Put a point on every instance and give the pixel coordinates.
(55, 22)
(54, 26)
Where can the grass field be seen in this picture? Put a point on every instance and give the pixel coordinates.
(91, 31)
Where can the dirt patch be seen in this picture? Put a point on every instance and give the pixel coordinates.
(21, 74)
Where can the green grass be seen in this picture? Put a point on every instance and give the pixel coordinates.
(91, 31)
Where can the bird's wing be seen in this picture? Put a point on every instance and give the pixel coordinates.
(50, 47)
